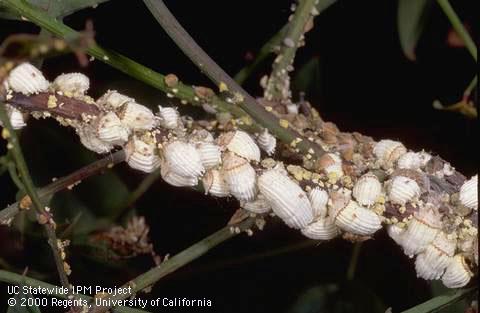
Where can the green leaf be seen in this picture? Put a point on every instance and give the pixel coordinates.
(438, 303)
(308, 78)
(411, 20)
(56, 8)
(21, 301)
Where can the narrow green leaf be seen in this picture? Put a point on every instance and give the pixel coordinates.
(411, 20)
(438, 303)
(24, 303)
(56, 8)
(308, 78)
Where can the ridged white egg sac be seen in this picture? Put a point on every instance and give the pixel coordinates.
(72, 83)
(421, 231)
(15, 116)
(183, 159)
(239, 176)
(367, 189)
(214, 184)
(136, 116)
(410, 160)
(288, 200)
(27, 79)
(259, 206)
(322, 228)
(402, 190)
(240, 143)
(431, 263)
(110, 129)
(457, 274)
(141, 155)
(395, 232)
(318, 199)
(267, 142)
(170, 118)
(331, 164)
(355, 219)
(112, 99)
(89, 138)
(388, 152)
(210, 154)
(469, 193)
(175, 179)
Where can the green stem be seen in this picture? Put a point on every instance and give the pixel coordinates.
(438, 303)
(146, 183)
(278, 86)
(357, 247)
(16, 279)
(186, 256)
(269, 47)
(470, 87)
(60, 184)
(201, 59)
(22, 168)
(458, 27)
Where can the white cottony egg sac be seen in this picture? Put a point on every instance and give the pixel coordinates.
(111, 130)
(355, 219)
(267, 142)
(457, 274)
(288, 200)
(16, 117)
(141, 155)
(259, 205)
(136, 116)
(331, 164)
(239, 176)
(72, 83)
(432, 262)
(421, 231)
(240, 143)
(214, 184)
(183, 159)
(402, 190)
(175, 179)
(210, 154)
(322, 228)
(388, 152)
(112, 99)
(395, 232)
(410, 160)
(469, 193)
(89, 138)
(170, 118)
(27, 79)
(367, 189)
(318, 199)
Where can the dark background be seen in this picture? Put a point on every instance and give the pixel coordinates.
(365, 84)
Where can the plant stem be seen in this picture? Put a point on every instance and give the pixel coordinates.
(458, 27)
(22, 168)
(357, 247)
(278, 85)
(438, 303)
(89, 170)
(16, 279)
(186, 256)
(269, 47)
(188, 45)
(470, 87)
(146, 183)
